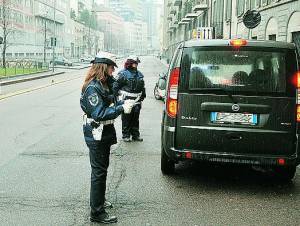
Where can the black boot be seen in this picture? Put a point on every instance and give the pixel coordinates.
(104, 218)
(108, 205)
(139, 139)
(126, 139)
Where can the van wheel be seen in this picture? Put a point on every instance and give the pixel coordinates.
(285, 173)
(156, 94)
(167, 165)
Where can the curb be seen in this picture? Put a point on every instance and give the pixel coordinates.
(29, 79)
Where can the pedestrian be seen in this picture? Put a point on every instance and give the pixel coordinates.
(100, 108)
(130, 85)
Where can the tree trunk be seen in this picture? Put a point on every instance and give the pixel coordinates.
(4, 49)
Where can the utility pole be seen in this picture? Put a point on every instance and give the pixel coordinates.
(54, 38)
(45, 40)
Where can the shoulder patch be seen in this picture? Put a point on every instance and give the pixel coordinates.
(93, 99)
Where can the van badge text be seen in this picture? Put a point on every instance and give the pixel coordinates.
(188, 118)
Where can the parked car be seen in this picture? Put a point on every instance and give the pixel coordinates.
(61, 61)
(160, 87)
(233, 101)
(86, 59)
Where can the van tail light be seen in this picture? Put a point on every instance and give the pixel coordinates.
(172, 104)
(281, 161)
(298, 113)
(297, 83)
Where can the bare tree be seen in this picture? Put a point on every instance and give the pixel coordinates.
(6, 26)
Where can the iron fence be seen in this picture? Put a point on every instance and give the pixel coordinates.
(22, 67)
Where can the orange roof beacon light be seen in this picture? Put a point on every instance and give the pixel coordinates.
(238, 42)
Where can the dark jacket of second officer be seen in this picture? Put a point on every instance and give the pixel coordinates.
(130, 85)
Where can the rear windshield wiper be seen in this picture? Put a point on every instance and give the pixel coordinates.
(229, 94)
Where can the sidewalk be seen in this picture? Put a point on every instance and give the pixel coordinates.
(29, 77)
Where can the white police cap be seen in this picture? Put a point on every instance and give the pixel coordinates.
(105, 58)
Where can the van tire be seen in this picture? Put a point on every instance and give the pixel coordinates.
(167, 165)
(285, 173)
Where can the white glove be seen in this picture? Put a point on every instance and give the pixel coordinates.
(127, 106)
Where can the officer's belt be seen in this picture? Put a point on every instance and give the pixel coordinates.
(90, 120)
(127, 94)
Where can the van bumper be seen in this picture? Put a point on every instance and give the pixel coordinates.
(220, 157)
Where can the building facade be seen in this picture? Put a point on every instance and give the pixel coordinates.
(37, 23)
(181, 18)
(34, 24)
(223, 19)
(280, 20)
(112, 25)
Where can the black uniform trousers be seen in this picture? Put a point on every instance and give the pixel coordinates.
(99, 152)
(130, 123)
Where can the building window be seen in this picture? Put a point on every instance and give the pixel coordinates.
(249, 5)
(240, 7)
(228, 10)
(264, 2)
(257, 3)
(254, 38)
(296, 39)
(272, 37)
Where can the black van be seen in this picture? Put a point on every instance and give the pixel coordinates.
(233, 101)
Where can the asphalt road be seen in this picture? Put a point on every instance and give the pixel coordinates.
(45, 172)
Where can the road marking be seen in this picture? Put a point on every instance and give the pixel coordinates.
(5, 96)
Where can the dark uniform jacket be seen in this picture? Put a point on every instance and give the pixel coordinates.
(130, 81)
(101, 105)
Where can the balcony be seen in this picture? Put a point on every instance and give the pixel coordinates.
(173, 26)
(185, 20)
(172, 11)
(169, 18)
(169, 3)
(191, 15)
(183, 23)
(177, 2)
(200, 6)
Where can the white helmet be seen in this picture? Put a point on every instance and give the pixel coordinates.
(134, 58)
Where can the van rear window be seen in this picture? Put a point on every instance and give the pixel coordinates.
(245, 70)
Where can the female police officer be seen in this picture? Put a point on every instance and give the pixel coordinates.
(100, 108)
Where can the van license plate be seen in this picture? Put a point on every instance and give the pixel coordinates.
(232, 118)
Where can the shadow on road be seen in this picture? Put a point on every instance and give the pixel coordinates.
(231, 178)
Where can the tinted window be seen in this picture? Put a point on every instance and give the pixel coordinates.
(247, 70)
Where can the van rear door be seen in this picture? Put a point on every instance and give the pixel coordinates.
(239, 101)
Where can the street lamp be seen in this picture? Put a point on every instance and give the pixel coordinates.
(54, 38)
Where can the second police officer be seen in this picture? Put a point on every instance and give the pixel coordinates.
(130, 85)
